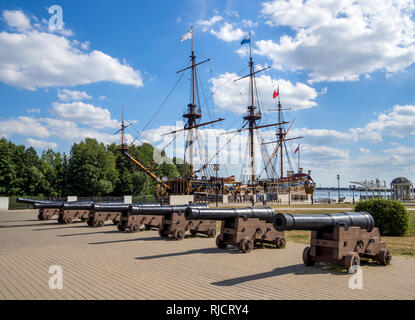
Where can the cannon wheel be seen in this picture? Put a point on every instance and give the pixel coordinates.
(147, 227)
(384, 257)
(279, 242)
(220, 243)
(211, 233)
(179, 234)
(68, 220)
(163, 234)
(100, 224)
(119, 227)
(246, 245)
(134, 228)
(351, 259)
(308, 261)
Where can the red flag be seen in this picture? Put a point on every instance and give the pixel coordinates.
(296, 150)
(276, 93)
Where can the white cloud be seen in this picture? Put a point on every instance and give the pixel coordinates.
(34, 59)
(69, 95)
(324, 136)
(33, 110)
(324, 153)
(16, 19)
(233, 96)
(343, 39)
(228, 33)
(400, 122)
(41, 144)
(25, 126)
(249, 23)
(206, 24)
(233, 13)
(84, 113)
(71, 132)
(364, 150)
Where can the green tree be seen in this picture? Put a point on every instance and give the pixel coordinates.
(92, 169)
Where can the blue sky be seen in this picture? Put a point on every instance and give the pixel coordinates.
(346, 68)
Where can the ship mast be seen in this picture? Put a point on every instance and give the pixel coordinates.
(124, 150)
(280, 134)
(192, 114)
(252, 117)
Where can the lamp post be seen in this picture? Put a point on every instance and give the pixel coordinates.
(338, 188)
(353, 187)
(216, 168)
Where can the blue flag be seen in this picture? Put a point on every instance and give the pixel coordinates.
(246, 40)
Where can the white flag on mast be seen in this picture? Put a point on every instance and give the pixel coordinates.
(187, 35)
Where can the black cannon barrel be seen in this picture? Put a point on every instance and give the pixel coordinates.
(163, 210)
(85, 205)
(262, 213)
(32, 201)
(48, 205)
(286, 221)
(119, 207)
(73, 205)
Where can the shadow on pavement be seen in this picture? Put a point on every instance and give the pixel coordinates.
(234, 250)
(298, 269)
(137, 239)
(31, 220)
(87, 233)
(30, 225)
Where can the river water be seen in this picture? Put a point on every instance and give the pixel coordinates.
(347, 194)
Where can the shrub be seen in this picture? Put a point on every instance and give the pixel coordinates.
(391, 217)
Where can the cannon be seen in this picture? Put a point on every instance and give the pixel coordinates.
(174, 223)
(243, 227)
(69, 211)
(102, 212)
(44, 213)
(47, 209)
(338, 238)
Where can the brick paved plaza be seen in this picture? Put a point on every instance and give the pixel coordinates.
(106, 264)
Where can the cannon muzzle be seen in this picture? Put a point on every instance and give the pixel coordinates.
(162, 210)
(262, 213)
(286, 221)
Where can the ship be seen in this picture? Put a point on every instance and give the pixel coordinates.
(210, 184)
